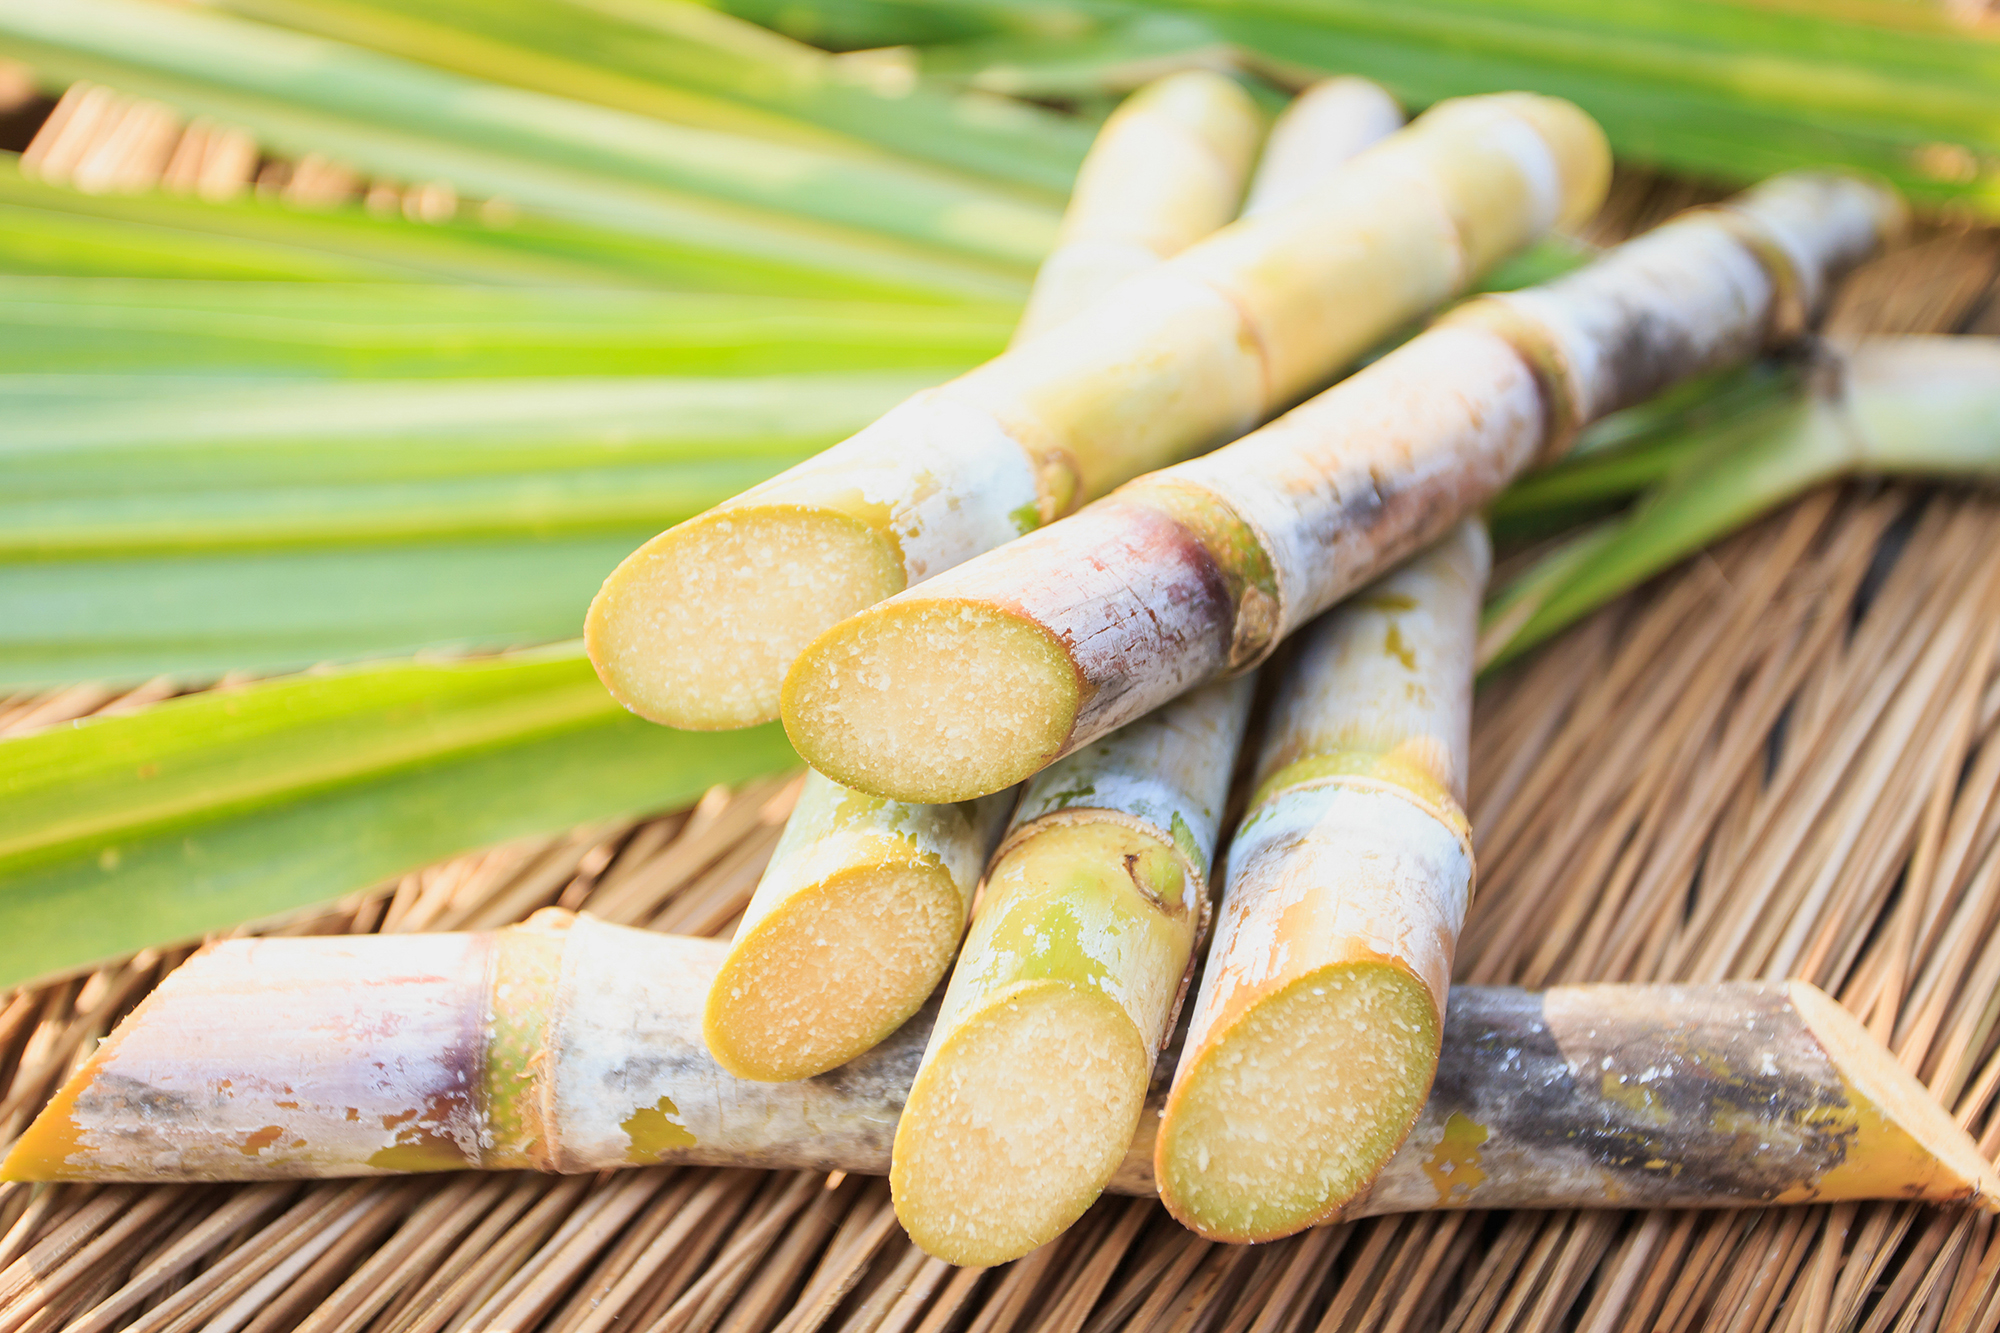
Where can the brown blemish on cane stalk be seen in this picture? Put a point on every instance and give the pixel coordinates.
(654, 1131)
(1395, 646)
(1454, 1165)
(423, 1141)
(260, 1140)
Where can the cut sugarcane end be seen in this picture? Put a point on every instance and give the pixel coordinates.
(931, 700)
(1903, 1143)
(1293, 1109)
(1017, 1122)
(833, 971)
(696, 628)
(44, 1149)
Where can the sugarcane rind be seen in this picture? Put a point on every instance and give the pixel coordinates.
(1395, 771)
(1543, 355)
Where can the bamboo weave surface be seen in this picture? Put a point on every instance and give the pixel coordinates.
(1781, 759)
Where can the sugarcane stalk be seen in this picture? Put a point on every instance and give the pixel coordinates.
(1036, 1072)
(1317, 1029)
(850, 930)
(570, 1045)
(866, 899)
(1324, 128)
(698, 627)
(1167, 169)
(1004, 664)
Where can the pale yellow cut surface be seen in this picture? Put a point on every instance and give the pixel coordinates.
(931, 700)
(1299, 1103)
(833, 971)
(696, 628)
(1905, 1142)
(1015, 1125)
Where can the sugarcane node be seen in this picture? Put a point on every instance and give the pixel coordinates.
(1059, 484)
(1240, 553)
(1543, 356)
(1809, 229)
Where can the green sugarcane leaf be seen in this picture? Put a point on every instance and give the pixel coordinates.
(1718, 89)
(891, 224)
(121, 833)
(159, 526)
(46, 229)
(197, 617)
(692, 65)
(63, 325)
(1919, 406)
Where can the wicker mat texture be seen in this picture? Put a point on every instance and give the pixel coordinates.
(1781, 759)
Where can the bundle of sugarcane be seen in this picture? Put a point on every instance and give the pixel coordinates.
(1015, 658)
(566, 1044)
(1319, 1027)
(864, 902)
(698, 627)
(865, 899)
(1093, 907)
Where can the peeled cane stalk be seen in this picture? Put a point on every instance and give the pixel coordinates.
(1166, 170)
(850, 930)
(1004, 664)
(1037, 1070)
(1316, 1032)
(570, 1045)
(865, 899)
(698, 626)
